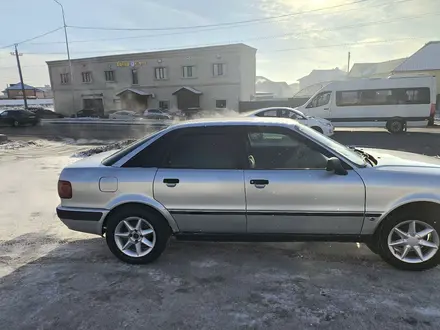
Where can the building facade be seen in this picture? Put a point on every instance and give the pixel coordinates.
(15, 91)
(205, 78)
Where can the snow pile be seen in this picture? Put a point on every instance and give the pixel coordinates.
(99, 149)
(13, 145)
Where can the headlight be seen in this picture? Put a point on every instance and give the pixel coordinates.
(328, 124)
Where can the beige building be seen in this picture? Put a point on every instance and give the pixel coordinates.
(205, 78)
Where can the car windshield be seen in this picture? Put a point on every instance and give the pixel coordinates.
(339, 148)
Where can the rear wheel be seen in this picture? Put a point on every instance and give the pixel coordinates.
(395, 126)
(137, 235)
(318, 129)
(15, 123)
(410, 241)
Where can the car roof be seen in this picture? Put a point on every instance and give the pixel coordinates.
(239, 121)
(253, 112)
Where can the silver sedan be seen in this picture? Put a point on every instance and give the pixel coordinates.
(255, 179)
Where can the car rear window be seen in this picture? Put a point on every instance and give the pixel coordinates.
(109, 161)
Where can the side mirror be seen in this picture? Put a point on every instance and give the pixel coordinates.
(335, 165)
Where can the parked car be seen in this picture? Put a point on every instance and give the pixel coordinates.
(43, 113)
(124, 114)
(87, 113)
(318, 124)
(17, 118)
(156, 114)
(214, 180)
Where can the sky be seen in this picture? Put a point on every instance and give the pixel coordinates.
(311, 34)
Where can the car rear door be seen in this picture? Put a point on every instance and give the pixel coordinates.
(201, 181)
(288, 190)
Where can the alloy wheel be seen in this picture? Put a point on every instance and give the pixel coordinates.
(413, 241)
(135, 237)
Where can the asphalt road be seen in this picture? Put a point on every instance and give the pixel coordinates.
(53, 278)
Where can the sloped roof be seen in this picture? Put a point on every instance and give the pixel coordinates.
(136, 91)
(426, 58)
(330, 74)
(364, 70)
(18, 87)
(193, 90)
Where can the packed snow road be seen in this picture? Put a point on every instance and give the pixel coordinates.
(53, 278)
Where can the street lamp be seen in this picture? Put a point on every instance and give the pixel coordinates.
(68, 54)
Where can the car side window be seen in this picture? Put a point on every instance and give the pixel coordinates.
(275, 149)
(320, 100)
(268, 113)
(203, 151)
(4, 114)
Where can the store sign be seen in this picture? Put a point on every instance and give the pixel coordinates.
(130, 63)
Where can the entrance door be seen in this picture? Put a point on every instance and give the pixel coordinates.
(201, 181)
(320, 106)
(94, 104)
(288, 190)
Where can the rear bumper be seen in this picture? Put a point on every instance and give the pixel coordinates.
(83, 220)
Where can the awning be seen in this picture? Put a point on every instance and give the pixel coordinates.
(135, 91)
(192, 90)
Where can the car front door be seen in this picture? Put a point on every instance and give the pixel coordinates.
(320, 106)
(289, 190)
(201, 181)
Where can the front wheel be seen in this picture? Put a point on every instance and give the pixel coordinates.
(410, 241)
(15, 123)
(137, 235)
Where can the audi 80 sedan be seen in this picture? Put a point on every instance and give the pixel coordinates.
(254, 179)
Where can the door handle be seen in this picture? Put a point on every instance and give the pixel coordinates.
(326, 108)
(171, 182)
(260, 182)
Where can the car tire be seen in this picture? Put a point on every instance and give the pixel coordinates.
(15, 123)
(318, 129)
(150, 221)
(412, 261)
(396, 126)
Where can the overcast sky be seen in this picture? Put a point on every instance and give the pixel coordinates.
(288, 48)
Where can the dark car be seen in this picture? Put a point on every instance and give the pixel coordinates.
(87, 113)
(17, 118)
(43, 113)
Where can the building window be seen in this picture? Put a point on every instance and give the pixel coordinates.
(65, 78)
(86, 77)
(109, 75)
(134, 77)
(164, 105)
(219, 69)
(188, 71)
(221, 104)
(160, 73)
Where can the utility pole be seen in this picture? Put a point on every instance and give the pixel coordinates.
(17, 56)
(348, 67)
(68, 55)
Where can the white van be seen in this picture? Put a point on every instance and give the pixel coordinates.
(394, 103)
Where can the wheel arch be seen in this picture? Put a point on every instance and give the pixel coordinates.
(143, 201)
(421, 204)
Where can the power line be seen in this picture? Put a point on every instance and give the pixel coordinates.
(350, 26)
(33, 38)
(178, 33)
(219, 24)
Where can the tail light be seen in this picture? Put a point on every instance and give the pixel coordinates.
(433, 109)
(64, 189)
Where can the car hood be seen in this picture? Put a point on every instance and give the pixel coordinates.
(393, 159)
(322, 121)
